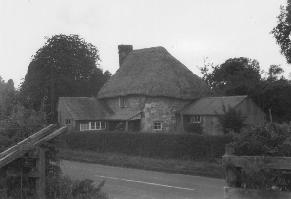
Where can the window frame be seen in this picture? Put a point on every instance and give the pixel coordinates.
(82, 124)
(160, 124)
(196, 119)
(93, 125)
(122, 102)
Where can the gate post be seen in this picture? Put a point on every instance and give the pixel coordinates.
(40, 183)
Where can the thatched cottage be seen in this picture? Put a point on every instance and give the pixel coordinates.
(148, 93)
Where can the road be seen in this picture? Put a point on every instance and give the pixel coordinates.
(124, 183)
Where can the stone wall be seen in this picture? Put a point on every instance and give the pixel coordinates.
(164, 110)
(154, 109)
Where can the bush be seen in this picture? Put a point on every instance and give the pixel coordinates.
(65, 188)
(271, 140)
(194, 128)
(155, 145)
(231, 120)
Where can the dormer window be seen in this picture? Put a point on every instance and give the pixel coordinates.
(122, 102)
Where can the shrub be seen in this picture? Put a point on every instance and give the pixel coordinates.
(194, 128)
(271, 140)
(65, 188)
(156, 145)
(231, 120)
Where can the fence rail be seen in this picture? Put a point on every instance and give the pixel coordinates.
(233, 165)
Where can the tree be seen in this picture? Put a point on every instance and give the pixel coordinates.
(231, 120)
(274, 94)
(274, 71)
(241, 76)
(236, 76)
(283, 29)
(7, 98)
(65, 66)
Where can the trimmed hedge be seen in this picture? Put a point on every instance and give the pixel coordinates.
(155, 145)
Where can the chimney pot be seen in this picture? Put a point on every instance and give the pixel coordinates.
(123, 51)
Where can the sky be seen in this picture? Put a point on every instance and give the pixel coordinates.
(191, 30)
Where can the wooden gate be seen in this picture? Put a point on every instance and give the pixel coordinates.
(27, 159)
(233, 165)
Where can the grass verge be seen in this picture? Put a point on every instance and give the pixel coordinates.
(201, 168)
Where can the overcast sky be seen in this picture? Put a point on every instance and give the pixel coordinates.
(189, 29)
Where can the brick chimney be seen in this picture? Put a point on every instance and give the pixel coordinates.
(123, 51)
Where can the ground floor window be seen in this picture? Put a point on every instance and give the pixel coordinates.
(97, 125)
(195, 119)
(158, 125)
(84, 126)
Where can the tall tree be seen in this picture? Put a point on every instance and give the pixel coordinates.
(236, 76)
(241, 76)
(283, 29)
(274, 94)
(66, 65)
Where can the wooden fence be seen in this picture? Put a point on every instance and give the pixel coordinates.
(31, 153)
(233, 165)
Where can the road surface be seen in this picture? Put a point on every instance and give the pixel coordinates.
(124, 183)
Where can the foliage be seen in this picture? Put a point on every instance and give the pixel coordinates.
(275, 94)
(65, 188)
(271, 140)
(155, 145)
(241, 76)
(231, 120)
(283, 29)
(19, 125)
(7, 98)
(195, 128)
(236, 76)
(64, 66)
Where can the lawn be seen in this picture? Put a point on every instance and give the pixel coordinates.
(207, 168)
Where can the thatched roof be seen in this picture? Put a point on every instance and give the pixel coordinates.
(213, 105)
(154, 72)
(84, 108)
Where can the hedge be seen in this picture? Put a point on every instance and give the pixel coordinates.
(155, 145)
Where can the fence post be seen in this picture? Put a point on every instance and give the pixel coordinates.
(40, 184)
(232, 173)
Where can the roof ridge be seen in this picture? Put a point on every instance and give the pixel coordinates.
(79, 97)
(225, 96)
(148, 49)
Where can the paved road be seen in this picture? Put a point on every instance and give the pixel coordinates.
(123, 183)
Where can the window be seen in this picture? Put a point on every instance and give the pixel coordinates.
(98, 125)
(93, 125)
(84, 126)
(122, 102)
(102, 125)
(67, 121)
(195, 119)
(157, 126)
